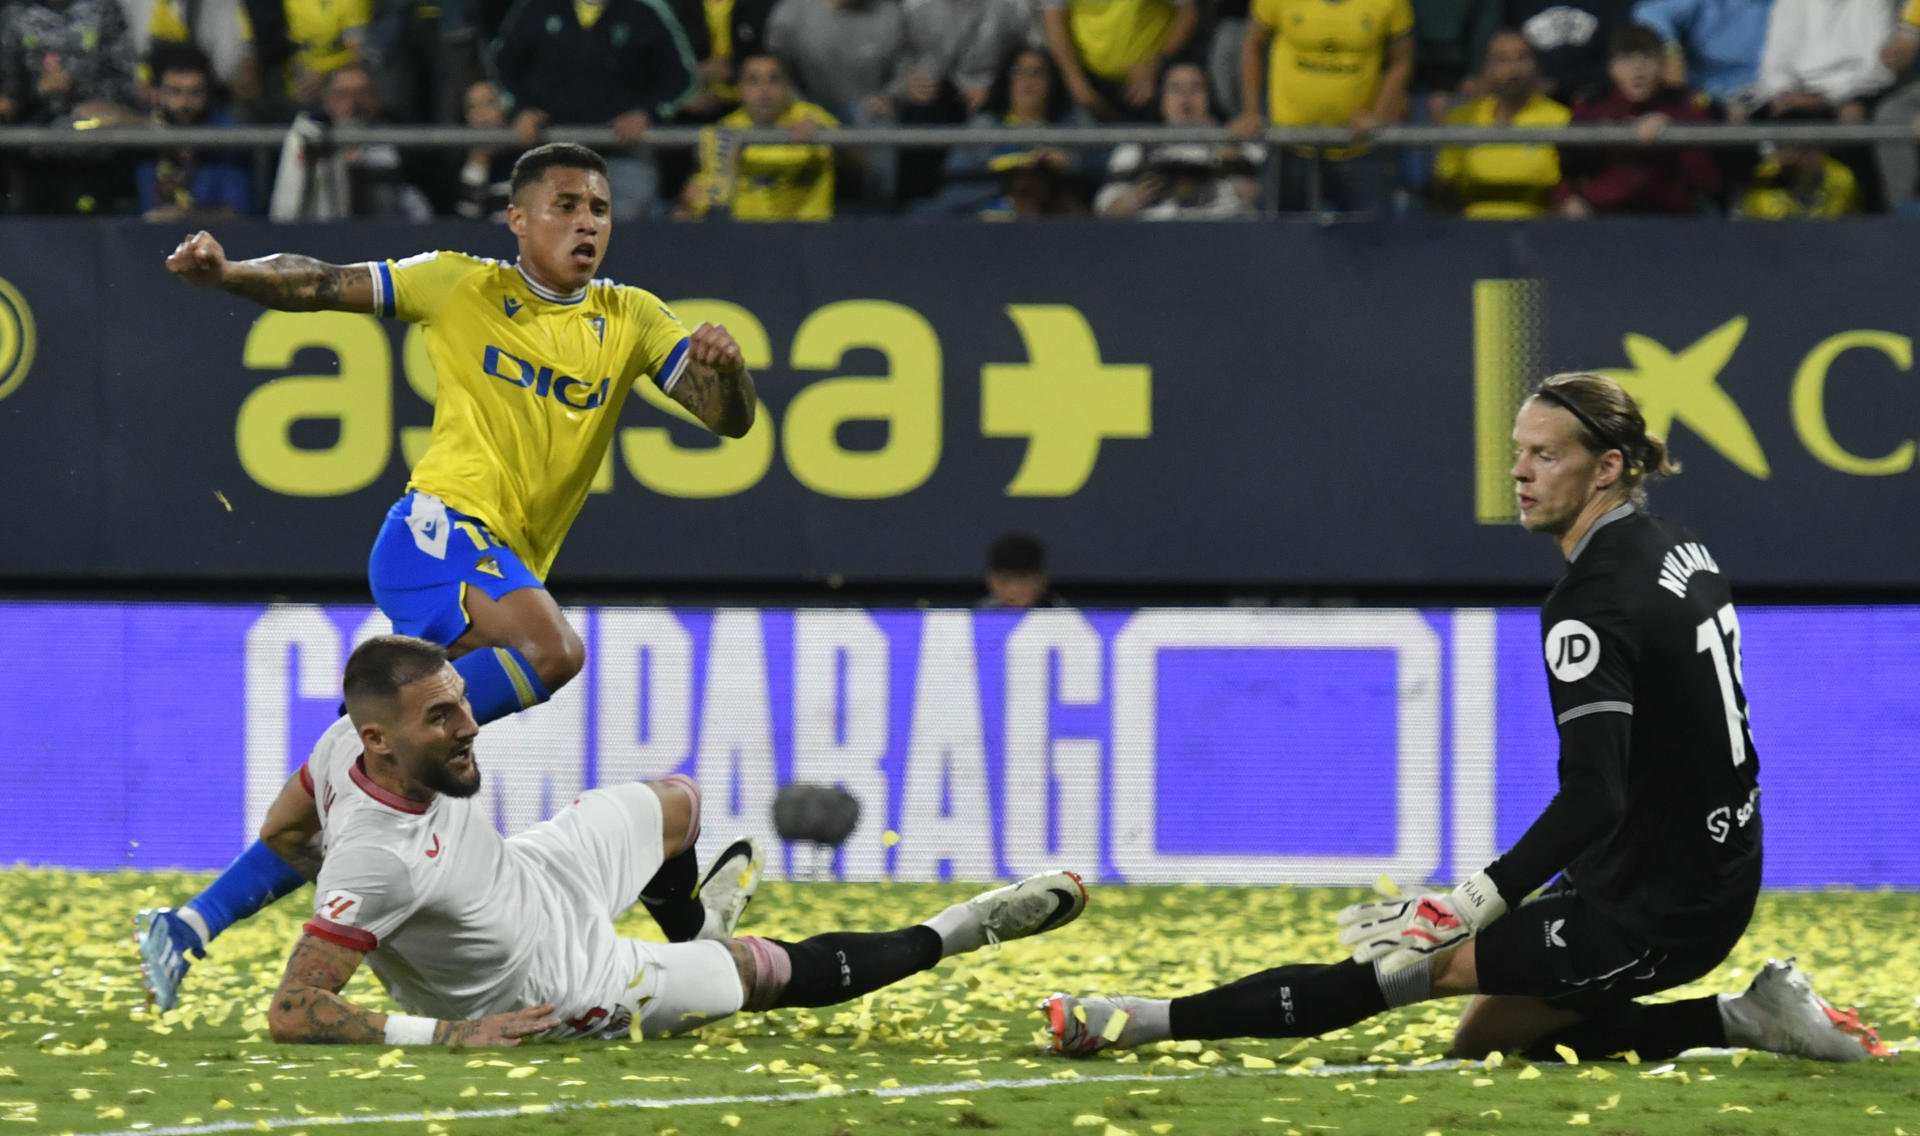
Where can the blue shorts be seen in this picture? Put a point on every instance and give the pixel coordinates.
(424, 560)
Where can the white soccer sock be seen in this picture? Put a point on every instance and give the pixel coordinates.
(959, 930)
(196, 921)
(1738, 1019)
(1149, 1020)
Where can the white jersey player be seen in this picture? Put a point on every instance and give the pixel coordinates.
(487, 940)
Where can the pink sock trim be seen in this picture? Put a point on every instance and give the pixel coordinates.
(693, 792)
(772, 970)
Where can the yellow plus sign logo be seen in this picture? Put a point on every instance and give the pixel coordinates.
(1064, 402)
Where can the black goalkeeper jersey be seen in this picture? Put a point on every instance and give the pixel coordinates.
(1657, 819)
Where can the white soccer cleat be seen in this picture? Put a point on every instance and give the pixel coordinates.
(1082, 1027)
(729, 885)
(1035, 904)
(164, 940)
(1788, 1017)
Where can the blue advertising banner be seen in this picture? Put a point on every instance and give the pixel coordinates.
(1220, 745)
(1208, 403)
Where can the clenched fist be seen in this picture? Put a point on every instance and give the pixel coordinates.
(199, 260)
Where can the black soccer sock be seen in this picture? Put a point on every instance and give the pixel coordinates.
(1655, 1031)
(668, 897)
(844, 965)
(1287, 1001)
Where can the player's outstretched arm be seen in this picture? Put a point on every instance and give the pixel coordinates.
(286, 282)
(308, 1008)
(716, 387)
(292, 828)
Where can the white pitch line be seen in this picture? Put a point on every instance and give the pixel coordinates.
(279, 1122)
(754, 1098)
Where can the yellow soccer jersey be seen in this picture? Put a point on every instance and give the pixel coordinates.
(531, 384)
(1502, 181)
(1327, 56)
(1113, 35)
(770, 182)
(324, 33)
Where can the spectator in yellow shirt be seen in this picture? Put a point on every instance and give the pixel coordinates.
(1327, 63)
(1800, 182)
(326, 35)
(1110, 52)
(764, 182)
(1502, 181)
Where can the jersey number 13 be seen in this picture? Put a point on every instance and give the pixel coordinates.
(1720, 638)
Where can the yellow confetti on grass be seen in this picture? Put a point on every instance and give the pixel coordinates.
(1531, 1072)
(955, 1101)
(520, 1071)
(1253, 1061)
(730, 1120)
(1089, 1120)
(1567, 1054)
(1579, 1119)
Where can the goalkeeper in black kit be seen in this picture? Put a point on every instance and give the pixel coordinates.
(1652, 844)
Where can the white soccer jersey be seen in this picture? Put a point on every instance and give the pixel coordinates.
(460, 923)
(450, 923)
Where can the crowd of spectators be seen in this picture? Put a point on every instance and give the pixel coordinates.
(801, 65)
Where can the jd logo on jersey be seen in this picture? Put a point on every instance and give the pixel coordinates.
(1573, 650)
(511, 368)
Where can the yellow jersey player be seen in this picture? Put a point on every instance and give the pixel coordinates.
(534, 360)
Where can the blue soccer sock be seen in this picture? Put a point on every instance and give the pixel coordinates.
(500, 682)
(255, 879)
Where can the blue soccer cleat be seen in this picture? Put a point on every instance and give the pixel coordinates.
(165, 940)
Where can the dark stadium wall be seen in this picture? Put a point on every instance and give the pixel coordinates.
(1203, 404)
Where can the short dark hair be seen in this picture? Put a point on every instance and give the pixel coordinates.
(534, 164)
(378, 668)
(168, 56)
(1635, 39)
(1505, 31)
(1017, 552)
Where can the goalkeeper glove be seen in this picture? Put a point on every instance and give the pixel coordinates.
(1402, 932)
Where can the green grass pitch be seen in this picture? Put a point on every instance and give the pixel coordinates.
(954, 1049)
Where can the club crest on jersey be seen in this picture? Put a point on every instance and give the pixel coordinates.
(513, 307)
(599, 327)
(1573, 650)
(510, 368)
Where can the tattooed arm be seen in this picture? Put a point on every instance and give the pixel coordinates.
(308, 1006)
(287, 282)
(716, 387)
